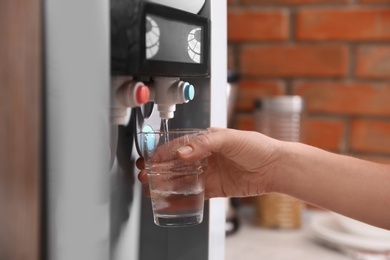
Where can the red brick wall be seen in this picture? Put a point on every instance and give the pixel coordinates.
(334, 53)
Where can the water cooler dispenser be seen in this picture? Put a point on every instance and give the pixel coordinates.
(127, 64)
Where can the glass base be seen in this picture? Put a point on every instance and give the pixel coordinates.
(178, 221)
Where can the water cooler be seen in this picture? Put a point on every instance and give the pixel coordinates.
(114, 67)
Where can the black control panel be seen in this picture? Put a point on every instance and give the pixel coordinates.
(149, 39)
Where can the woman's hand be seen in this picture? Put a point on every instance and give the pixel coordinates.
(239, 163)
(243, 163)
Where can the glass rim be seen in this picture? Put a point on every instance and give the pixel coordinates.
(175, 131)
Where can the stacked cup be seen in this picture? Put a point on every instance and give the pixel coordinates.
(280, 118)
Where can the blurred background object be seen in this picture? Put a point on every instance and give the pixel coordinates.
(21, 160)
(362, 229)
(232, 218)
(281, 118)
(335, 54)
(232, 90)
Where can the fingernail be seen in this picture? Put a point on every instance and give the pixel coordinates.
(185, 150)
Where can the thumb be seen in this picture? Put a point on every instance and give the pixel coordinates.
(203, 145)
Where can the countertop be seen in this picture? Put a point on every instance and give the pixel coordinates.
(252, 242)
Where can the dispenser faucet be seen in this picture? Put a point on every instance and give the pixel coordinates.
(166, 92)
(126, 93)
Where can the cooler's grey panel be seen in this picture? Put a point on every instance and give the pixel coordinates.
(77, 82)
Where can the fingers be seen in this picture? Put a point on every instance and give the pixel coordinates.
(215, 129)
(147, 191)
(140, 163)
(143, 177)
(203, 145)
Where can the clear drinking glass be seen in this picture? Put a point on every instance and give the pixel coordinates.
(176, 187)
